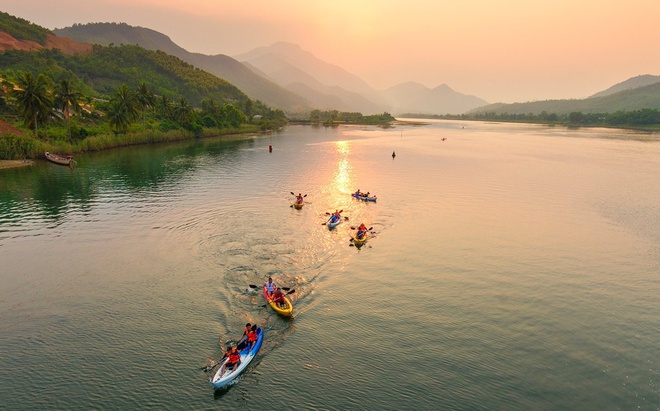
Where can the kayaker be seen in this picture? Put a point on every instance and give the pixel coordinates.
(233, 359)
(270, 286)
(278, 297)
(227, 353)
(252, 337)
(362, 231)
(299, 199)
(248, 327)
(335, 216)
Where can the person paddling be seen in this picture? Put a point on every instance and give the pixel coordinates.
(270, 286)
(252, 337)
(299, 198)
(233, 359)
(278, 297)
(362, 231)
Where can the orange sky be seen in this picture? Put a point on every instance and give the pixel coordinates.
(506, 50)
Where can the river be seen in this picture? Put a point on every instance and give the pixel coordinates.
(509, 267)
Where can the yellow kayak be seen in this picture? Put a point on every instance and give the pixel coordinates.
(360, 241)
(286, 311)
(298, 206)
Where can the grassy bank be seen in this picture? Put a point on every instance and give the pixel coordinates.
(14, 147)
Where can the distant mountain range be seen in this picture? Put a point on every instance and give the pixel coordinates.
(225, 67)
(286, 77)
(637, 93)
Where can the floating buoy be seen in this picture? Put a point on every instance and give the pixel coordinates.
(393, 154)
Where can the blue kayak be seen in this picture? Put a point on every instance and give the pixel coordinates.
(223, 378)
(364, 198)
(334, 221)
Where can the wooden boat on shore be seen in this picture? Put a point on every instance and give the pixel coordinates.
(65, 161)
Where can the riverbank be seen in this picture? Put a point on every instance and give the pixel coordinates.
(14, 163)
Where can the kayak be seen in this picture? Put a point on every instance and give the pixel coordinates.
(298, 206)
(286, 311)
(360, 241)
(334, 223)
(221, 379)
(364, 198)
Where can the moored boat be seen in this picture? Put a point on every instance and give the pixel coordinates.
(223, 377)
(286, 310)
(65, 161)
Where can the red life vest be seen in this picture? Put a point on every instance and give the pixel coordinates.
(252, 336)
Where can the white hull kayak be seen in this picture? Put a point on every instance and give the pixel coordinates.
(221, 379)
(332, 224)
(364, 198)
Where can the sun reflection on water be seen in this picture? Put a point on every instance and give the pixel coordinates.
(342, 178)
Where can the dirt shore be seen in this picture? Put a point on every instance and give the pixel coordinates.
(14, 163)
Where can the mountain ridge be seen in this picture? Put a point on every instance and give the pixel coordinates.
(225, 67)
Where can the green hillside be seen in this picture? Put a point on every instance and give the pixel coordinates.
(225, 67)
(105, 69)
(647, 97)
(22, 29)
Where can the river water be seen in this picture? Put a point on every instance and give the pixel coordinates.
(510, 267)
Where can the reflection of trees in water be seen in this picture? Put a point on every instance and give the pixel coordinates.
(53, 190)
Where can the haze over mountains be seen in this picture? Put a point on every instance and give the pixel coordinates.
(286, 77)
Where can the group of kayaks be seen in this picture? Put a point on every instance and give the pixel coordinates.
(223, 376)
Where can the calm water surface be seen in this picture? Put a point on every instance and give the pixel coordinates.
(511, 267)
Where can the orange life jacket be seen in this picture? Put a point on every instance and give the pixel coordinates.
(252, 336)
(234, 357)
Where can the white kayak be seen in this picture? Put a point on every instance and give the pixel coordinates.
(334, 221)
(221, 379)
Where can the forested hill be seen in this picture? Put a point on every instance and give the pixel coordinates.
(22, 29)
(106, 68)
(647, 97)
(225, 67)
(631, 83)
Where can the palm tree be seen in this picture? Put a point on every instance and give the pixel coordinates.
(66, 97)
(34, 98)
(165, 107)
(123, 109)
(182, 111)
(146, 98)
(118, 117)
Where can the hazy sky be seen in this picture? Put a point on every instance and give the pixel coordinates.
(505, 50)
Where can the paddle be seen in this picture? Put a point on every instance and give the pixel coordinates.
(353, 239)
(211, 367)
(296, 196)
(340, 211)
(283, 288)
